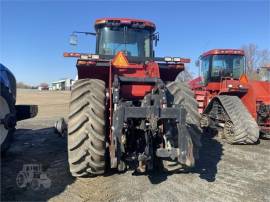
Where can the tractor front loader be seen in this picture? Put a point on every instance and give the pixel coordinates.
(126, 109)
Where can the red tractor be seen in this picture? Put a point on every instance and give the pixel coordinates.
(235, 106)
(126, 109)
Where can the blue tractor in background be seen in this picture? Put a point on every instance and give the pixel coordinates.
(9, 112)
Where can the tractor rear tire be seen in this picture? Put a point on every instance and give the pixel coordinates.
(7, 106)
(182, 94)
(87, 128)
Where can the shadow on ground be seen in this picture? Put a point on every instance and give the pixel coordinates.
(210, 154)
(35, 147)
(206, 166)
(44, 147)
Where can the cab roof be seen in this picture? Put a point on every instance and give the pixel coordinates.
(224, 52)
(125, 21)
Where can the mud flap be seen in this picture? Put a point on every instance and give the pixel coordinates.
(185, 145)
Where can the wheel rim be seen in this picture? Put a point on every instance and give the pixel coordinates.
(4, 110)
(21, 180)
(229, 129)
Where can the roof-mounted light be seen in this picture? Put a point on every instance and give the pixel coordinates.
(84, 57)
(183, 60)
(168, 59)
(224, 51)
(95, 57)
(89, 56)
(177, 59)
(101, 21)
(125, 21)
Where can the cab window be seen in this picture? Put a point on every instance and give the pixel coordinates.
(205, 69)
(227, 66)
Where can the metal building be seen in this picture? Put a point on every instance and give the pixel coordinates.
(64, 84)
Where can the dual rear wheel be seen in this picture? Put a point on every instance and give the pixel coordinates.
(87, 124)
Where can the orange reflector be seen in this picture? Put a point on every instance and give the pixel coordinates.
(77, 55)
(185, 60)
(243, 78)
(81, 62)
(120, 60)
(66, 54)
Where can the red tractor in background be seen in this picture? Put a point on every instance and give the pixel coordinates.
(126, 108)
(237, 107)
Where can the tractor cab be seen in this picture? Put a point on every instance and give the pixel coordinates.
(132, 37)
(218, 64)
(126, 44)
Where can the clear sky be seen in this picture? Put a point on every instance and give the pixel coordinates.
(34, 34)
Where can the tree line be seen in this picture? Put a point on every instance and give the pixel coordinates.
(27, 86)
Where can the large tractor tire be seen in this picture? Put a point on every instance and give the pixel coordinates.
(7, 106)
(183, 95)
(87, 128)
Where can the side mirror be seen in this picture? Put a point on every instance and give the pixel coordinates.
(73, 40)
(197, 63)
(156, 38)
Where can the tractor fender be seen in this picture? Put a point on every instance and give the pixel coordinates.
(8, 80)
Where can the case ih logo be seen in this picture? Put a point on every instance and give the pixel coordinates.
(33, 176)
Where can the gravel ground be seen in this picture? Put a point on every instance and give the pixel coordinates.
(223, 173)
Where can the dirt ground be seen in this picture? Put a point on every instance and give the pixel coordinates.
(223, 173)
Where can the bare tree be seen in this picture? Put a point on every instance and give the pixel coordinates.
(265, 71)
(23, 85)
(44, 85)
(255, 59)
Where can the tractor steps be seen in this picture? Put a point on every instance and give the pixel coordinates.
(200, 96)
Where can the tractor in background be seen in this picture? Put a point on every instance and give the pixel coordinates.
(230, 103)
(126, 109)
(33, 175)
(9, 112)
